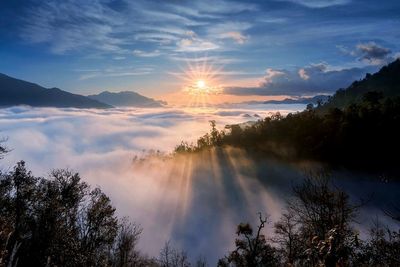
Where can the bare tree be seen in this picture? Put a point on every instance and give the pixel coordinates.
(287, 236)
(170, 257)
(251, 249)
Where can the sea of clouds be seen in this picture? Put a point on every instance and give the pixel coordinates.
(193, 201)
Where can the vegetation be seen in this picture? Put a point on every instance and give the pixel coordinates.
(60, 221)
(362, 135)
(316, 229)
(358, 127)
(386, 81)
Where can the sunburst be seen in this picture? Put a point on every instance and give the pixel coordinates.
(200, 77)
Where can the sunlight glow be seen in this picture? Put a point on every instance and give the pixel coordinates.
(200, 81)
(201, 84)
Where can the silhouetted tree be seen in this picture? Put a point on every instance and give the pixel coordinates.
(252, 249)
(60, 222)
(287, 236)
(170, 257)
(324, 215)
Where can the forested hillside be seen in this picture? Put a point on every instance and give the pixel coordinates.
(361, 134)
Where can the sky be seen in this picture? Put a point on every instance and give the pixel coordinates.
(242, 49)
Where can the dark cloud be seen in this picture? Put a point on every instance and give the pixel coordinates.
(373, 53)
(370, 53)
(313, 79)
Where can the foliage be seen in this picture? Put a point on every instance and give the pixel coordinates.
(315, 230)
(251, 249)
(170, 257)
(386, 81)
(360, 135)
(60, 221)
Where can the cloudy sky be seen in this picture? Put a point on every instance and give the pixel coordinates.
(254, 48)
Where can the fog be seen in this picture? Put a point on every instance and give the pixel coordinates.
(194, 201)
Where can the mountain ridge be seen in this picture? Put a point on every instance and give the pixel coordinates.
(126, 99)
(15, 91)
(385, 81)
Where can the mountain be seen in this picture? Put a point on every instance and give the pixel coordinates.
(18, 92)
(301, 100)
(126, 99)
(385, 81)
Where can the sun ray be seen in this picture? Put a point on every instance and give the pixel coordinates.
(200, 80)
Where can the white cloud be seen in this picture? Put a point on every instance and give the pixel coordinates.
(194, 201)
(319, 3)
(195, 45)
(308, 80)
(270, 74)
(101, 144)
(141, 53)
(237, 36)
(303, 74)
(73, 25)
(97, 27)
(114, 72)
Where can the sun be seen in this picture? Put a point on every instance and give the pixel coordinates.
(201, 84)
(201, 81)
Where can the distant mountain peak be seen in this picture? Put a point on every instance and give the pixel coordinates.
(126, 99)
(19, 92)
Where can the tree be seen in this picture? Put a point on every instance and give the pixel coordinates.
(125, 251)
(251, 250)
(3, 149)
(382, 248)
(99, 228)
(170, 257)
(324, 216)
(287, 236)
(60, 221)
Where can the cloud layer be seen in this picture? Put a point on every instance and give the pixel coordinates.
(102, 145)
(194, 201)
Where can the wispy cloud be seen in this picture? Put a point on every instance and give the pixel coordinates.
(141, 53)
(114, 72)
(73, 25)
(237, 36)
(97, 25)
(193, 43)
(319, 3)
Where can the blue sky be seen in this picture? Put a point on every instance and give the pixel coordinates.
(260, 48)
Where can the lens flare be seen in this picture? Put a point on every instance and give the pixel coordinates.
(200, 81)
(201, 84)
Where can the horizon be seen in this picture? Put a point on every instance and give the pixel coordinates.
(258, 50)
(252, 133)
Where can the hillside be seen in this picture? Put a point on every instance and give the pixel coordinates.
(386, 81)
(126, 99)
(302, 100)
(18, 92)
(363, 135)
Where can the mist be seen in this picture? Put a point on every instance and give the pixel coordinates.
(194, 201)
